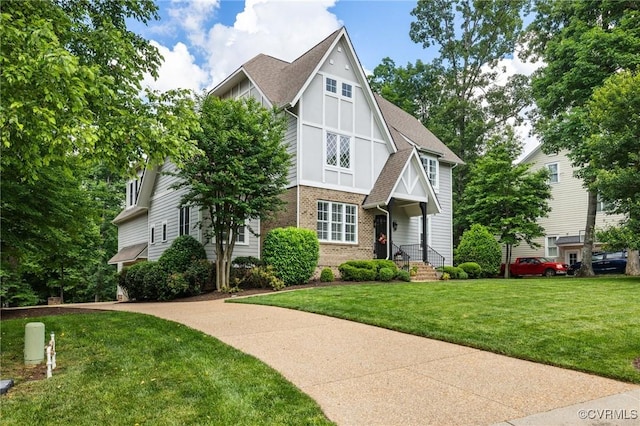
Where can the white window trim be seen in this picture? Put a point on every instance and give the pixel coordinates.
(246, 237)
(339, 82)
(343, 222)
(339, 141)
(547, 165)
(429, 158)
(152, 234)
(180, 222)
(547, 247)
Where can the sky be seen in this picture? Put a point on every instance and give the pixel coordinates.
(203, 41)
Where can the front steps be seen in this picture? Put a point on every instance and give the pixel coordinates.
(425, 272)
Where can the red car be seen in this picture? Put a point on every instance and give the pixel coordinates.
(535, 266)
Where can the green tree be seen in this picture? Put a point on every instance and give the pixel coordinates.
(239, 173)
(582, 44)
(614, 143)
(455, 95)
(505, 197)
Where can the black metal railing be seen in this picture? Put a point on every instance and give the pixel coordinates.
(414, 253)
(400, 257)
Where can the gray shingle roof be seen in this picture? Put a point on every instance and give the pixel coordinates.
(129, 214)
(130, 253)
(388, 178)
(411, 128)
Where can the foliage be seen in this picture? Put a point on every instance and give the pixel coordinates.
(200, 276)
(505, 197)
(472, 269)
(403, 275)
(293, 253)
(454, 272)
(175, 284)
(238, 174)
(247, 262)
(349, 272)
(264, 277)
(326, 275)
(387, 274)
(556, 321)
(478, 245)
(582, 44)
(183, 252)
(133, 282)
(146, 364)
(455, 95)
(445, 276)
(155, 283)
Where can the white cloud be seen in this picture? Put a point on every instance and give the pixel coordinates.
(178, 70)
(283, 29)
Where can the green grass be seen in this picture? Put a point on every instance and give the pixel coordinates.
(129, 369)
(590, 325)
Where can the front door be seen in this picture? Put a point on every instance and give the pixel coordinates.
(380, 228)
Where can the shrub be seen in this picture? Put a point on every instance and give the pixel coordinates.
(183, 251)
(326, 276)
(384, 263)
(387, 274)
(200, 276)
(453, 271)
(462, 275)
(246, 262)
(349, 272)
(264, 276)
(403, 275)
(472, 269)
(155, 282)
(241, 268)
(133, 280)
(445, 276)
(479, 246)
(176, 284)
(293, 253)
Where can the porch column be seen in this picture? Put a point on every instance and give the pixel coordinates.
(423, 209)
(390, 229)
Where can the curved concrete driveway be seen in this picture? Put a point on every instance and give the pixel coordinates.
(364, 375)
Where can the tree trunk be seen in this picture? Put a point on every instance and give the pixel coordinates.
(507, 264)
(586, 269)
(633, 263)
(221, 261)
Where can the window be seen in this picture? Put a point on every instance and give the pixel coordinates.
(554, 175)
(338, 150)
(346, 90)
(430, 165)
(337, 222)
(603, 206)
(332, 85)
(573, 258)
(164, 231)
(152, 234)
(552, 249)
(132, 192)
(241, 236)
(185, 214)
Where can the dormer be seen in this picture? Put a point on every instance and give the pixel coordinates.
(133, 190)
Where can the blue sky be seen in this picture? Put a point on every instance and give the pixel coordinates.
(203, 41)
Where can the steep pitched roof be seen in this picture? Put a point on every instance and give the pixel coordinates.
(410, 131)
(281, 81)
(382, 189)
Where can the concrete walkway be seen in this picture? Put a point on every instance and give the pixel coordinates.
(364, 375)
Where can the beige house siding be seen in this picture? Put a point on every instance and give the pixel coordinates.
(568, 215)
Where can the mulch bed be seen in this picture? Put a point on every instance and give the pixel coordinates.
(43, 311)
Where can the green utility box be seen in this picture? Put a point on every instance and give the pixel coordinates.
(34, 343)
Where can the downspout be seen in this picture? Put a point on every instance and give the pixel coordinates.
(387, 214)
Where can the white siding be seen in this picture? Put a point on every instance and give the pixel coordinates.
(251, 248)
(133, 232)
(568, 215)
(442, 223)
(291, 142)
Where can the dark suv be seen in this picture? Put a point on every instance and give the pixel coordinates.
(604, 263)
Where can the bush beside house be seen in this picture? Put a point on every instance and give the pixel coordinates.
(479, 246)
(293, 253)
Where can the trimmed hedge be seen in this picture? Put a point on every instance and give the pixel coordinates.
(326, 276)
(293, 253)
(472, 269)
(183, 251)
(454, 272)
(367, 270)
(479, 246)
(403, 275)
(351, 273)
(387, 274)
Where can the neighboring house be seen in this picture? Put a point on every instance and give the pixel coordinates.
(361, 167)
(564, 227)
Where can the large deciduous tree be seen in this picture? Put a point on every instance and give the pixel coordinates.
(456, 95)
(239, 174)
(70, 86)
(505, 197)
(614, 144)
(582, 44)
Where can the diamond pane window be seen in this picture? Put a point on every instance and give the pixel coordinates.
(332, 149)
(345, 152)
(332, 85)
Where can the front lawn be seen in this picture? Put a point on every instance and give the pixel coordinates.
(591, 325)
(120, 368)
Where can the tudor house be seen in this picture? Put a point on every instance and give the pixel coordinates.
(361, 169)
(565, 224)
